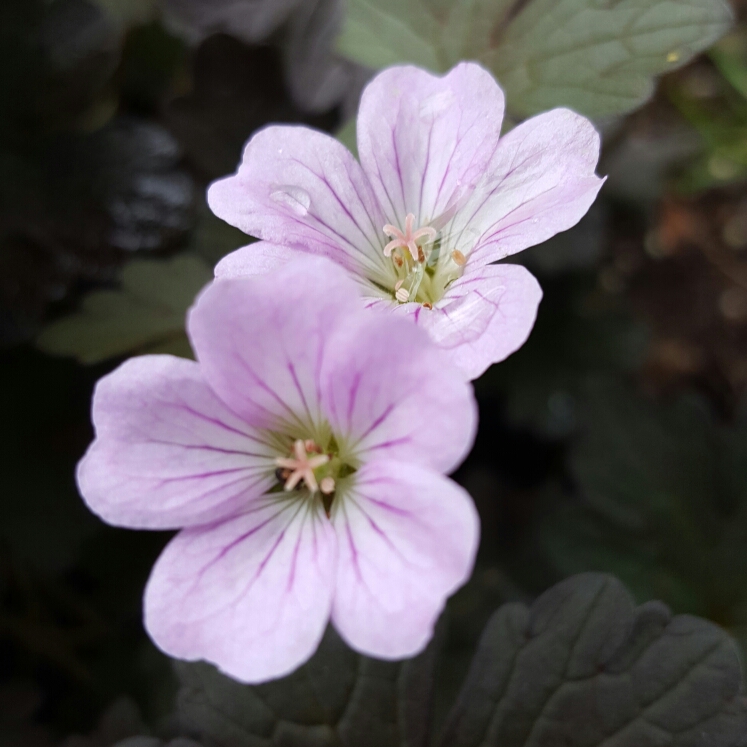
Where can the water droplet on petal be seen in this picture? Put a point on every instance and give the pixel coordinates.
(297, 199)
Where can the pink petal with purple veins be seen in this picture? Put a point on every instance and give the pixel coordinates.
(486, 315)
(540, 181)
(407, 539)
(425, 141)
(251, 594)
(302, 188)
(168, 453)
(388, 392)
(260, 340)
(259, 258)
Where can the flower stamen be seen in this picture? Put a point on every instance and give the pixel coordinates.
(400, 293)
(303, 466)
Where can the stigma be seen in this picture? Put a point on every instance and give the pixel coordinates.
(409, 239)
(301, 467)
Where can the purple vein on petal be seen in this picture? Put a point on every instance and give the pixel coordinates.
(297, 384)
(274, 395)
(496, 188)
(214, 421)
(224, 486)
(345, 209)
(383, 182)
(385, 537)
(238, 541)
(352, 397)
(396, 160)
(215, 473)
(391, 442)
(425, 171)
(353, 549)
(206, 447)
(386, 506)
(294, 561)
(387, 412)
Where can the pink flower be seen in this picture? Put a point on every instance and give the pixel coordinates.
(437, 198)
(302, 457)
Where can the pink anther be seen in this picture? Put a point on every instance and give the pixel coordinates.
(408, 239)
(302, 467)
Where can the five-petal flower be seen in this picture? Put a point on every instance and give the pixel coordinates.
(437, 198)
(303, 467)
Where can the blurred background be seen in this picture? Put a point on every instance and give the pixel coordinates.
(614, 440)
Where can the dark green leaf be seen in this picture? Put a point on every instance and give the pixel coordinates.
(577, 335)
(596, 56)
(661, 503)
(146, 315)
(582, 667)
(337, 699)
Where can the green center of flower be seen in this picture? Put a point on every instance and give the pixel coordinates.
(318, 470)
(423, 266)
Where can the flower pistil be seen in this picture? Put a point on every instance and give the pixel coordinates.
(302, 467)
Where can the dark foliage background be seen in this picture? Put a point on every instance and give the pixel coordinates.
(614, 442)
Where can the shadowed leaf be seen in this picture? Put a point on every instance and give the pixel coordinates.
(582, 667)
(145, 315)
(338, 698)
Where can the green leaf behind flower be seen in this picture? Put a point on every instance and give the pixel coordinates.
(583, 667)
(598, 57)
(660, 503)
(145, 315)
(337, 699)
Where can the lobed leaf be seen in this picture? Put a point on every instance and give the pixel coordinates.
(598, 57)
(145, 315)
(661, 503)
(337, 698)
(583, 667)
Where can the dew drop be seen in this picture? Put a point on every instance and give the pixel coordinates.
(297, 199)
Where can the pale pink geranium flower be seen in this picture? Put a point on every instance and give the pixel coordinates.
(437, 198)
(302, 457)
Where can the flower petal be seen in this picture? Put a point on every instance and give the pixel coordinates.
(168, 453)
(256, 259)
(425, 141)
(388, 392)
(251, 595)
(407, 538)
(299, 187)
(540, 181)
(486, 315)
(260, 339)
